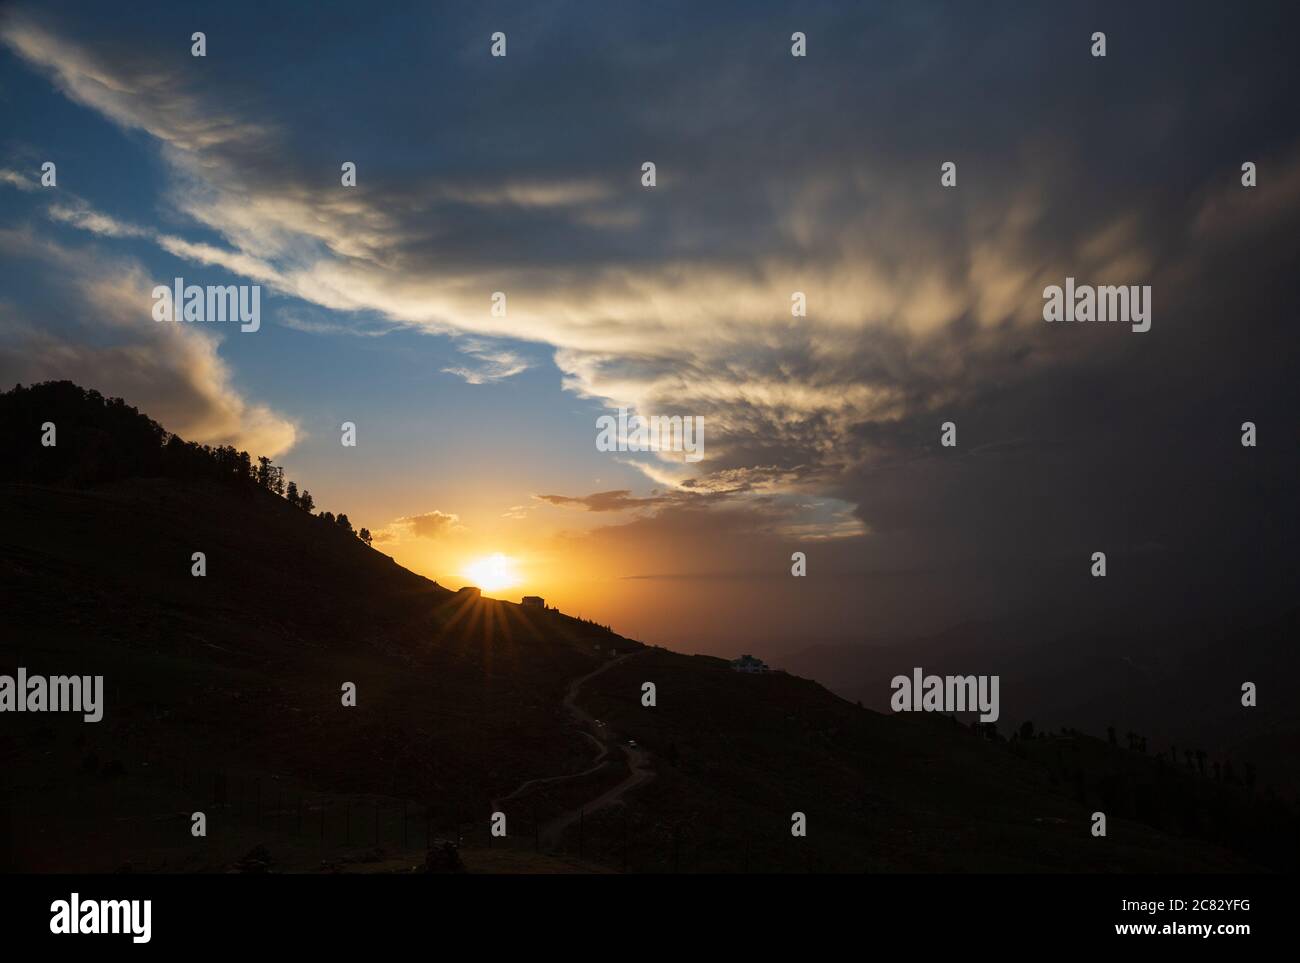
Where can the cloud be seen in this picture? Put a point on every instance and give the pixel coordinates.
(291, 319)
(125, 87)
(233, 261)
(15, 179)
(492, 364)
(80, 215)
(612, 501)
(99, 334)
(432, 524)
(778, 516)
(534, 194)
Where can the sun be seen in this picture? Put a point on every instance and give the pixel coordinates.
(492, 572)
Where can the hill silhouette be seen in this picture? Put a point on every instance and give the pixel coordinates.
(1174, 684)
(223, 696)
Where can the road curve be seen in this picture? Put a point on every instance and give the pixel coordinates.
(637, 759)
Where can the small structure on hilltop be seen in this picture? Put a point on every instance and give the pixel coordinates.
(534, 602)
(472, 591)
(747, 663)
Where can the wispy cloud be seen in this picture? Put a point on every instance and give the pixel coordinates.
(612, 501)
(15, 179)
(79, 214)
(490, 363)
(294, 320)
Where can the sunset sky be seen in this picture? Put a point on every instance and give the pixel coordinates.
(776, 174)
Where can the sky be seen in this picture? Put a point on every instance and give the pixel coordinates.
(775, 174)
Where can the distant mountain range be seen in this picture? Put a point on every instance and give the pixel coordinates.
(1178, 685)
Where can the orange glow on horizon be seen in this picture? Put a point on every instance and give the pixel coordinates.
(492, 572)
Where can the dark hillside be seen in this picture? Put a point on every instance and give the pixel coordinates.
(739, 753)
(223, 696)
(241, 670)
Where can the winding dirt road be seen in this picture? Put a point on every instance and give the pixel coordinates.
(638, 761)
